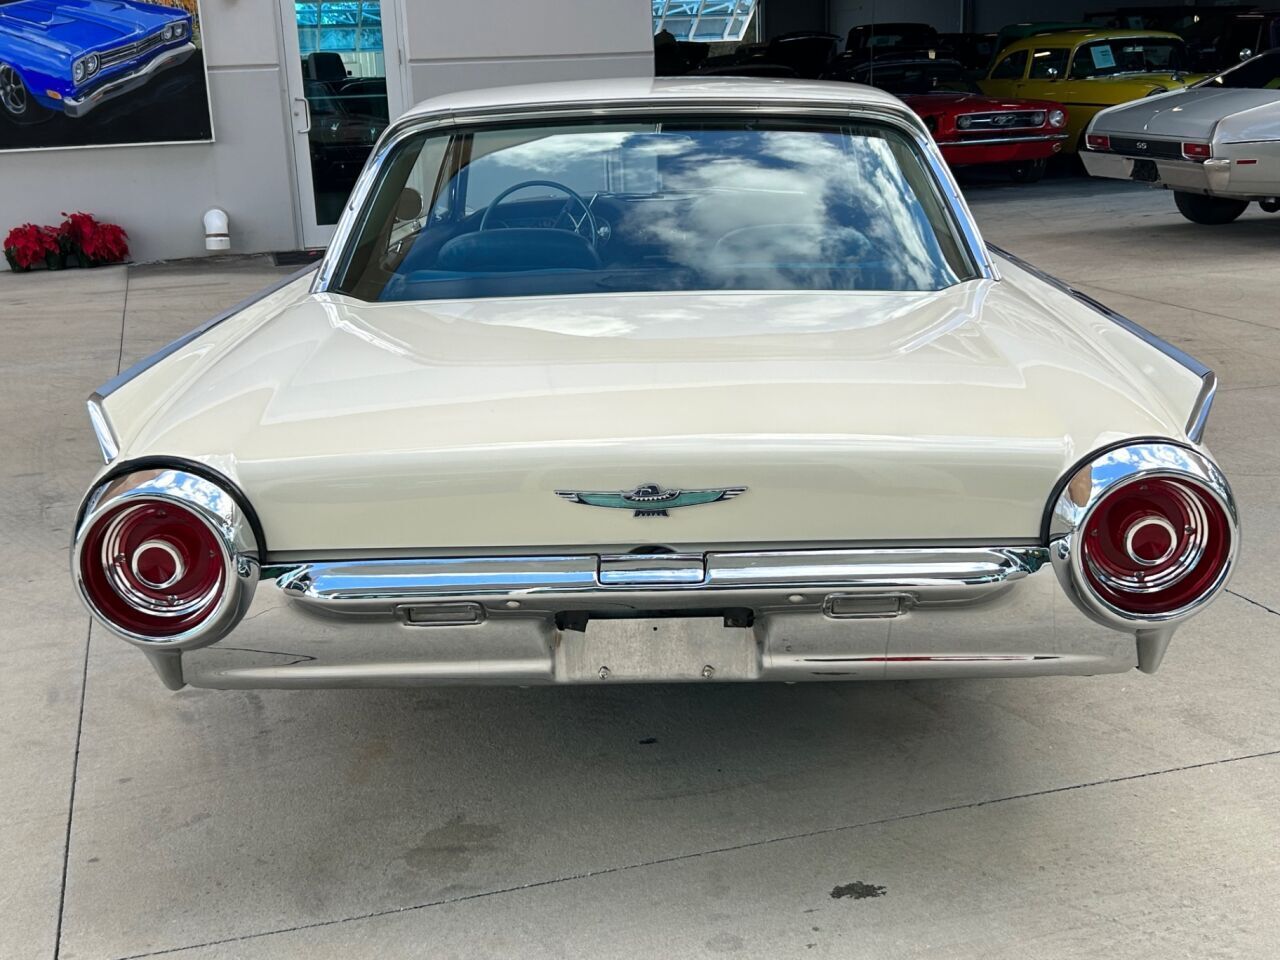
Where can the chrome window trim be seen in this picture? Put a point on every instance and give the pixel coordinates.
(1200, 409)
(120, 379)
(967, 236)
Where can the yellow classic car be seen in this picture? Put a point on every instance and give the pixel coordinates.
(1087, 70)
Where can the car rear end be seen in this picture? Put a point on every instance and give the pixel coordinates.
(843, 460)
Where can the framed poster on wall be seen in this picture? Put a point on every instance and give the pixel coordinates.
(97, 73)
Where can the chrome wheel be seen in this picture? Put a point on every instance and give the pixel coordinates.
(13, 92)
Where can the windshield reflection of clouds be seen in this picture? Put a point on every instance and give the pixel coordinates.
(791, 209)
(690, 205)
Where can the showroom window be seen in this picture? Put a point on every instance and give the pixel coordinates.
(341, 25)
(703, 20)
(1049, 64)
(1011, 67)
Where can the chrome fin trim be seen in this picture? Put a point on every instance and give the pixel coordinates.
(1200, 410)
(106, 436)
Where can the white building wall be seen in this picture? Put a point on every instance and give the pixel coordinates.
(492, 43)
(159, 193)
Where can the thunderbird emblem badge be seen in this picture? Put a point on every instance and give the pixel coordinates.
(650, 499)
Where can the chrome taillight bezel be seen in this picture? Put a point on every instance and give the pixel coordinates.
(1091, 483)
(212, 505)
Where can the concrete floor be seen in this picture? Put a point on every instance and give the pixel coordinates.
(1125, 816)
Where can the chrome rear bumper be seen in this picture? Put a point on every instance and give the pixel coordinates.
(782, 615)
(1208, 176)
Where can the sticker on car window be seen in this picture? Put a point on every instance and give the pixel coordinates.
(1102, 56)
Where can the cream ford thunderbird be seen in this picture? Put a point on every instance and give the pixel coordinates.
(688, 380)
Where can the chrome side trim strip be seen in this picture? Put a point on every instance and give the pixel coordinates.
(120, 379)
(1200, 409)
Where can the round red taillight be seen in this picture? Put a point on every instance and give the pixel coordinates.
(1154, 546)
(153, 568)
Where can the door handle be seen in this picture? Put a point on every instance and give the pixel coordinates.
(306, 114)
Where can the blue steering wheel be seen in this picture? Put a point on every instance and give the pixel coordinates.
(589, 218)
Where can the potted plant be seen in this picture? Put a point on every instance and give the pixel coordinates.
(88, 242)
(30, 244)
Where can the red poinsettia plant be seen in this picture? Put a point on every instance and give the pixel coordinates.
(29, 244)
(82, 240)
(91, 241)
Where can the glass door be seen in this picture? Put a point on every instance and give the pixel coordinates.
(346, 82)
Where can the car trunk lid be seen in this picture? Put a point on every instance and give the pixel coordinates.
(525, 423)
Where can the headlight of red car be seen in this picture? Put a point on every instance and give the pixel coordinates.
(1057, 118)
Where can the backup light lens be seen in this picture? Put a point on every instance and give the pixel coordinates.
(1098, 141)
(153, 568)
(1154, 546)
(1197, 151)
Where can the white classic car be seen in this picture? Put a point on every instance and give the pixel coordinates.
(1216, 145)
(676, 380)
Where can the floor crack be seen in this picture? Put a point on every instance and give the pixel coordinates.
(71, 800)
(1177, 306)
(1254, 602)
(124, 316)
(678, 858)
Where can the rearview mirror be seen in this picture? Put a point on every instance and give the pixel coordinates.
(1245, 54)
(1051, 73)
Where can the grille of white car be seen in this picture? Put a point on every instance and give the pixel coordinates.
(130, 50)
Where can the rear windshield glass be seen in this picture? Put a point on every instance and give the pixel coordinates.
(652, 205)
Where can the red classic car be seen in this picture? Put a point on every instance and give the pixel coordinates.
(971, 128)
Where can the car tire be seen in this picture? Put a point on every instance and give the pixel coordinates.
(1029, 171)
(16, 102)
(1213, 211)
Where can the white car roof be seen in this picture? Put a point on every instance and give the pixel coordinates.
(747, 90)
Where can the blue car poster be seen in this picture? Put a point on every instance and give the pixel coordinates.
(92, 73)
